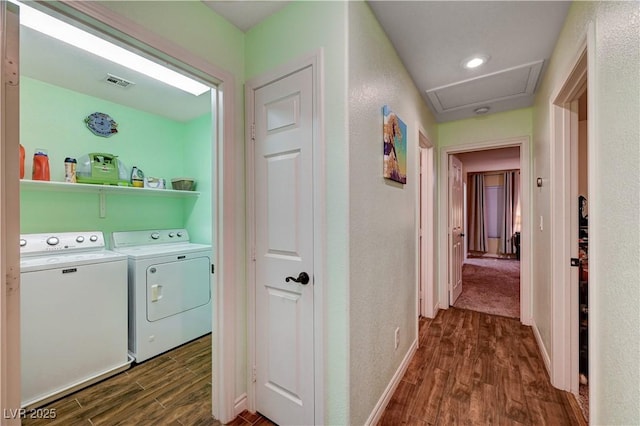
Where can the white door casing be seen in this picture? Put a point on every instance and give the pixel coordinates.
(525, 237)
(9, 215)
(284, 249)
(456, 233)
(425, 241)
(564, 363)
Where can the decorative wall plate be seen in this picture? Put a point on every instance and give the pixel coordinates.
(101, 124)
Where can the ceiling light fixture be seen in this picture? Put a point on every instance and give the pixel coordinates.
(482, 110)
(69, 34)
(475, 61)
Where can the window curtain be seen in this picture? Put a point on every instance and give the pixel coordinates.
(511, 216)
(477, 220)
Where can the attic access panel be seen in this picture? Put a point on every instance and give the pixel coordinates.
(502, 85)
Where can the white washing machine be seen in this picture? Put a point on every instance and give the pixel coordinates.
(169, 289)
(73, 313)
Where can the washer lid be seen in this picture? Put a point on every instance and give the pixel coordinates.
(145, 252)
(57, 261)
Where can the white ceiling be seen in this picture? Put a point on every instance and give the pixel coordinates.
(432, 39)
(244, 14)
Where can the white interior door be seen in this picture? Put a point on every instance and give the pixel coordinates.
(284, 349)
(456, 230)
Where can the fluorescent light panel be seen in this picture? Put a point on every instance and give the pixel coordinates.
(69, 34)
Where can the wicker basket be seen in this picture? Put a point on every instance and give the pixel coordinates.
(183, 184)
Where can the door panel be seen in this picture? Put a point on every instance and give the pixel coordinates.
(283, 161)
(456, 255)
(282, 204)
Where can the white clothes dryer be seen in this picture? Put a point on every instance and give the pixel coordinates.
(169, 289)
(73, 313)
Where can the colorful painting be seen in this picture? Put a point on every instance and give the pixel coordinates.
(395, 146)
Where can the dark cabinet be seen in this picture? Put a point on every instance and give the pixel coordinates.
(583, 299)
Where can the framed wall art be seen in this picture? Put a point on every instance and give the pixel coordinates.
(394, 133)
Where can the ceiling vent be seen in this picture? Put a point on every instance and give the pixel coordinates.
(118, 81)
(499, 86)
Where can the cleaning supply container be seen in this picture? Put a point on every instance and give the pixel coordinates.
(41, 165)
(70, 165)
(137, 177)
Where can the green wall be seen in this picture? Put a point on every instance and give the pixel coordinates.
(382, 226)
(613, 35)
(52, 117)
(198, 164)
(501, 125)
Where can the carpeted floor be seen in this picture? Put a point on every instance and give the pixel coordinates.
(583, 400)
(491, 285)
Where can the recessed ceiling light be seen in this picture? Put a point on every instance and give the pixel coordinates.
(482, 110)
(475, 61)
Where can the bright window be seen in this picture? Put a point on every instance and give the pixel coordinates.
(494, 209)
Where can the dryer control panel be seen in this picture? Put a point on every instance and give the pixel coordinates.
(144, 238)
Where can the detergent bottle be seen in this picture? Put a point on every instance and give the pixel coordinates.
(40, 165)
(137, 177)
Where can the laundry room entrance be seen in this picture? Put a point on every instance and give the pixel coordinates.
(107, 150)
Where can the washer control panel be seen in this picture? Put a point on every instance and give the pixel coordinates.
(154, 236)
(34, 244)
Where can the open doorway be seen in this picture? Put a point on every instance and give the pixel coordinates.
(211, 204)
(583, 256)
(491, 267)
(444, 282)
(570, 243)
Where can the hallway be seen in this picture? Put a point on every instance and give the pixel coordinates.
(475, 368)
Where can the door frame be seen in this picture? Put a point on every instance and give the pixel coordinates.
(223, 209)
(523, 142)
(425, 215)
(315, 60)
(9, 220)
(564, 366)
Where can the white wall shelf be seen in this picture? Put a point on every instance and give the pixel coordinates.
(39, 185)
(102, 191)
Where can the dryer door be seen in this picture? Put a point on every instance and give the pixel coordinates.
(175, 287)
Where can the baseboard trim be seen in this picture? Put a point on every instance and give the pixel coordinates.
(378, 410)
(239, 405)
(543, 349)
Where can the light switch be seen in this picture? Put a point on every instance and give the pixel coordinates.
(541, 223)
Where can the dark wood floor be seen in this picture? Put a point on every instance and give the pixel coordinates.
(171, 389)
(478, 369)
(471, 368)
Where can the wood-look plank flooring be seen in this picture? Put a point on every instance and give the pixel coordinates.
(471, 368)
(478, 369)
(171, 389)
